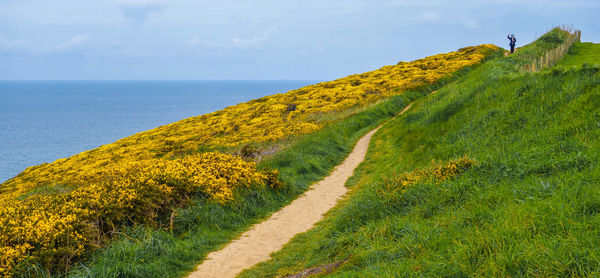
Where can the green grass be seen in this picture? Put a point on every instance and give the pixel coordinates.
(582, 53)
(205, 226)
(530, 208)
(46, 190)
(528, 53)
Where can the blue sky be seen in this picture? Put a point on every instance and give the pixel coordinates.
(259, 39)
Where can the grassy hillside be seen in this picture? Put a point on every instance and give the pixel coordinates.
(496, 175)
(204, 226)
(54, 215)
(262, 121)
(582, 53)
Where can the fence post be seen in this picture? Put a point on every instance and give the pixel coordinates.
(551, 57)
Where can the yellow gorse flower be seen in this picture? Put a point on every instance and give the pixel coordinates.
(136, 179)
(269, 118)
(436, 173)
(54, 228)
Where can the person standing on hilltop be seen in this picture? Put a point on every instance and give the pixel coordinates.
(513, 42)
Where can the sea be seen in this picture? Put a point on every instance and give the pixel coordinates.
(41, 121)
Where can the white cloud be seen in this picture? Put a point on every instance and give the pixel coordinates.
(253, 40)
(469, 22)
(447, 18)
(77, 40)
(138, 11)
(411, 3)
(196, 40)
(140, 2)
(428, 16)
(204, 43)
(36, 48)
(9, 44)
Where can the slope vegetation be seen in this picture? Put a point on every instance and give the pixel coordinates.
(266, 119)
(496, 175)
(582, 53)
(54, 215)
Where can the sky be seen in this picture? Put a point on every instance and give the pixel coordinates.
(259, 39)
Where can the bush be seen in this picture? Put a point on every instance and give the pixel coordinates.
(55, 230)
(552, 38)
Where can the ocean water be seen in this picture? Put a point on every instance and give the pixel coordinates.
(41, 121)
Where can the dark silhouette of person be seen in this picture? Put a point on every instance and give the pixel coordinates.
(513, 42)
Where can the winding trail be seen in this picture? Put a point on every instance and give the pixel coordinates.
(257, 244)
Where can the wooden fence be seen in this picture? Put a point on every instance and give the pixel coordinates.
(551, 57)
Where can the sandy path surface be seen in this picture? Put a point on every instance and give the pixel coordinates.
(256, 244)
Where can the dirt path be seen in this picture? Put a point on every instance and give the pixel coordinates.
(256, 244)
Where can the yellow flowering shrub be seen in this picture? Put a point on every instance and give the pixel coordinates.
(58, 228)
(139, 178)
(265, 119)
(436, 173)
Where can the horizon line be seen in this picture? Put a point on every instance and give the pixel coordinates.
(62, 80)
